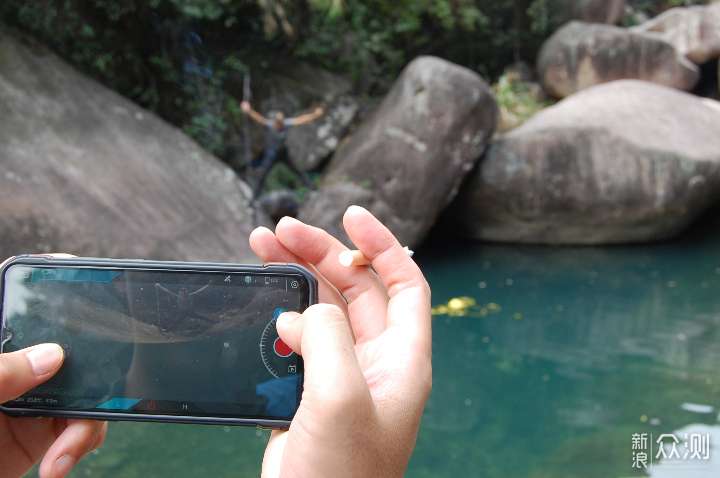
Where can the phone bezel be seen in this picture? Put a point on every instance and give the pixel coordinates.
(43, 260)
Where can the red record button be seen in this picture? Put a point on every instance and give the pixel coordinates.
(281, 348)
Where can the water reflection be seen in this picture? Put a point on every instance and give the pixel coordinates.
(586, 347)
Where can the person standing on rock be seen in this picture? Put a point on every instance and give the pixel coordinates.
(276, 133)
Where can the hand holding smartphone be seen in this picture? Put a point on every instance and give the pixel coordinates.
(157, 341)
(367, 351)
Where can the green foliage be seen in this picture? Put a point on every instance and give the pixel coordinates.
(281, 177)
(655, 7)
(185, 59)
(538, 11)
(149, 51)
(651, 8)
(204, 9)
(517, 101)
(373, 40)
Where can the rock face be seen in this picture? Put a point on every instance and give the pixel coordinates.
(278, 204)
(598, 11)
(291, 86)
(294, 88)
(407, 162)
(580, 55)
(84, 171)
(325, 208)
(694, 31)
(312, 143)
(627, 161)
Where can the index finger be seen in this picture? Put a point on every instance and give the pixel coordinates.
(406, 286)
(269, 249)
(367, 298)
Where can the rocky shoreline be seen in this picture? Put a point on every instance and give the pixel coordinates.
(627, 155)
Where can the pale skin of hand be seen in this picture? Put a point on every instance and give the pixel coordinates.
(24, 441)
(302, 119)
(367, 362)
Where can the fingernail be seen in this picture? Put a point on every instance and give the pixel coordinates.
(45, 358)
(62, 466)
(287, 317)
(355, 207)
(287, 219)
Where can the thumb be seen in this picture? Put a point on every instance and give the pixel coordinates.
(22, 370)
(322, 336)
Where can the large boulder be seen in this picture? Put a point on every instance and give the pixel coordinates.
(407, 162)
(312, 143)
(694, 31)
(83, 170)
(325, 208)
(627, 161)
(580, 55)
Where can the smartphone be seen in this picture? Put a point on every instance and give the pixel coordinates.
(157, 341)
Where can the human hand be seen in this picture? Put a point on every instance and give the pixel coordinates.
(245, 106)
(23, 441)
(367, 361)
(318, 111)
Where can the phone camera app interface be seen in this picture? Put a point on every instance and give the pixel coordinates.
(158, 342)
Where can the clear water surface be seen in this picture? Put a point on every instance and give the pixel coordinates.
(546, 362)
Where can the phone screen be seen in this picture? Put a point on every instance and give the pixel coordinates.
(180, 343)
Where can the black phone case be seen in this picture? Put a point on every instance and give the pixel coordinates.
(141, 264)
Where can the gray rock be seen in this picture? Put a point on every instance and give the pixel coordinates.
(295, 87)
(412, 155)
(325, 208)
(83, 170)
(312, 143)
(634, 17)
(694, 31)
(580, 55)
(598, 11)
(278, 204)
(627, 161)
(291, 86)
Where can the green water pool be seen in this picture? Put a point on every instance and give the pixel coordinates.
(547, 364)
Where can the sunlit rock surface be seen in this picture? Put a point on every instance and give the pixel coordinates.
(580, 55)
(694, 31)
(627, 161)
(407, 162)
(82, 170)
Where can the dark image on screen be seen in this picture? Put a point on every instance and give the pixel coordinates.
(158, 342)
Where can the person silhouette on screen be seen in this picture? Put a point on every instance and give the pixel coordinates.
(184, 305)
